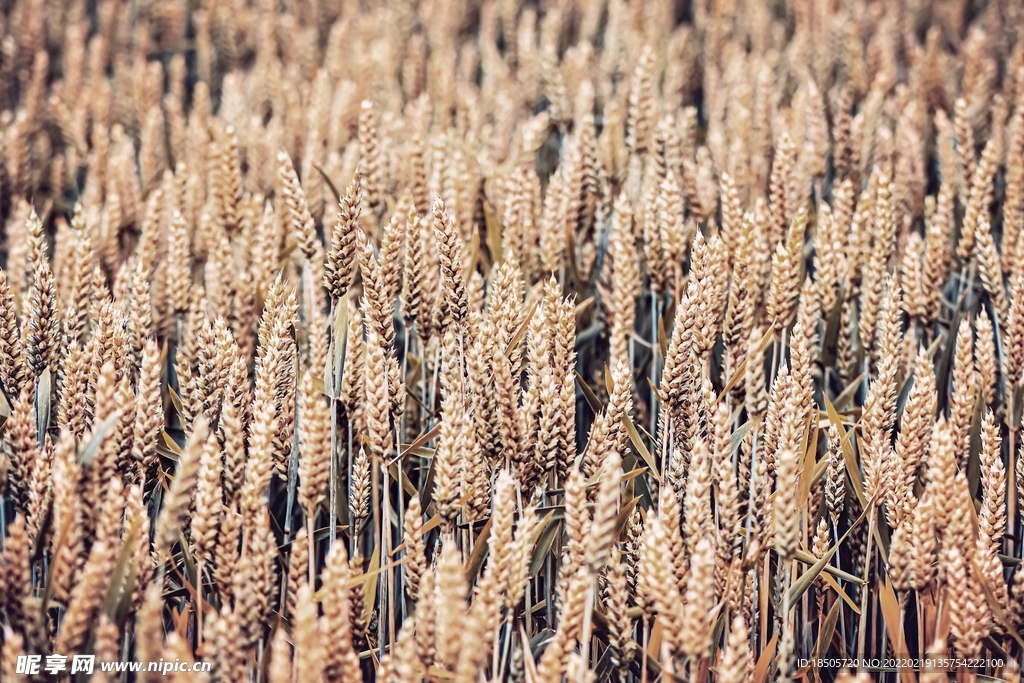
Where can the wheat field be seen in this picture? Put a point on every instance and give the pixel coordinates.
(462, 340)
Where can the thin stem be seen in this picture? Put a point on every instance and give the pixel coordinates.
(387, 577)
(401, 516)
(588, 615)
(353, 531)
(405, 370)
(433, 385)
(496, 655)
(380, 532)
(920, 625)
(787, 621)
(865, 589)
(867, 372)
(428, 405)
(842, 617)
(200, 561)
(960, 284)
(899, 638)
(259, 660)
(1011, 470)
(338, 369)
(654, 360)
(643, 653)
(766, 597)
(125, 644)
(528, 605)
(293, 483)
(548, 593)
(970, 284)
(773, 368)
(311, 546)
(382, 527)
(332, 478)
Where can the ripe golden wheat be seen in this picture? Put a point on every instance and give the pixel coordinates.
(463, 341)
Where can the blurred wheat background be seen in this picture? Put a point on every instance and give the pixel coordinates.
(583, 340)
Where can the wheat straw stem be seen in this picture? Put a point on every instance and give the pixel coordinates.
(354, 530)
(655, 376)
(332, 476)
(862, 629)
(378, 531)
(643, 650)
(588, 615)
(388, 576)
(839, 581)
(401, 427)
(293, 465)
(433, 382)
(1011, 473)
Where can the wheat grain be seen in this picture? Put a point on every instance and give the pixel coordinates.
(156, 209)
(961, 402)
(176, 506)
